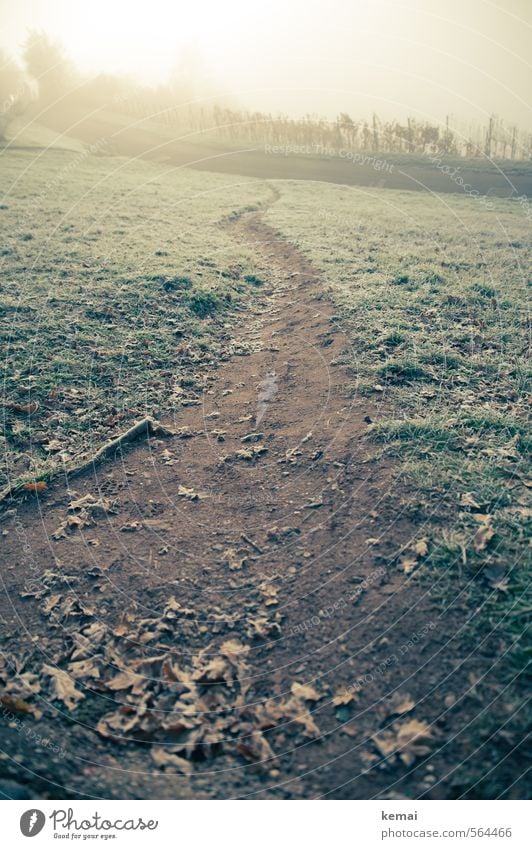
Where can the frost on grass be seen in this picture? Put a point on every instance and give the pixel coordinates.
(122, 297)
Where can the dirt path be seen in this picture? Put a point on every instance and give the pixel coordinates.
(255, 551)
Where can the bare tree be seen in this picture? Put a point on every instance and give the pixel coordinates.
(47, 65)
(14, 92)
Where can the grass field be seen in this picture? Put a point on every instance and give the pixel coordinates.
(118, 289)
(434, 293)
(124, 290)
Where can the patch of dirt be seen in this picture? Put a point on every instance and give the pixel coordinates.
(226, 612)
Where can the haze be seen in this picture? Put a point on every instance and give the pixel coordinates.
(467, 58)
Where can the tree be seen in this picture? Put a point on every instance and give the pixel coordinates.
(14, 92)
(46, 63)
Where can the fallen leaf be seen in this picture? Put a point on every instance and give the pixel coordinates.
(187, 492)
(23, 408)
(306, 692)
(234, 651)
(84, 668)
(130, 527)
(304, 718)
(482, 537)
(421, 547)
(50, 602)
(232, 559)
(407, 741)
(269, 594)
(407, 564)
(255, 748)
(343, 697)
(252, 437)
(18, 705)
(165, 757)
(467, 499)
(399, 704)
(127, 680)
(414, 738)
(36, 486)
(62, 686)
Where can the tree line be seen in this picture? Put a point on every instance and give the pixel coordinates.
(47, 80)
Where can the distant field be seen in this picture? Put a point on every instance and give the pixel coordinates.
(126, 135)
(434, 292)
(118, 289)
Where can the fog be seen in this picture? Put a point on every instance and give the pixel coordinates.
(428, 59)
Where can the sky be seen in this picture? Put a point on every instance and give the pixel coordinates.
(425, 58)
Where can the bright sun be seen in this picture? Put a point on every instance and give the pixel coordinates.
(146, 38)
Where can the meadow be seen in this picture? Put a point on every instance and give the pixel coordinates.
(127, 285)
(119, 289)
(433, 291)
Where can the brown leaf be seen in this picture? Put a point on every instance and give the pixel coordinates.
(306, 692)
(421, 547)
(304, 718)
(234, 651)
(18, 705)
(400, 703)
(407, 564)
(165, 757)
(482, 537)
(269, 594)
(23, 408)
(50, 602)
(467, 499)
(126, 680)
(414, 739)
(343, 696)
(255, 748)
(35, 486)
(187, 492)
(408, 741)
(232, 559)
(116, 725)
(62, 686)
(84, 668)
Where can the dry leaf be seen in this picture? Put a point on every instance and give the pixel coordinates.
(421, 547)
(304, 718)
(18, 705)
(408, 741)
(50, 602)
(234, 651)
(467, 499)
(482, 537)
(399, 704)
(23, 408)
(126, 680)
(187, 492)
(343, 697)
(36, 486)
(269, 593)
(414, 739)
(232, 559)
(306, 692)
(407, 564)
(62, 686)
(84, 668)
(165, 757)
(255, 748)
